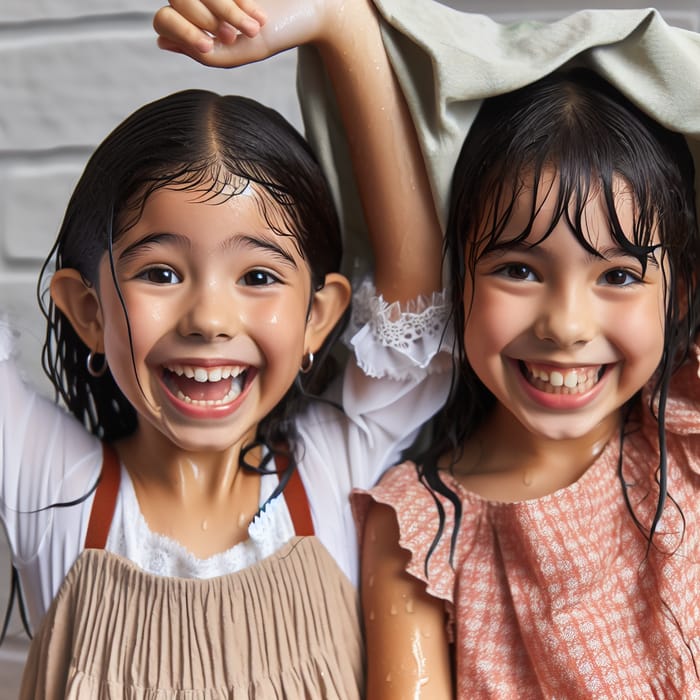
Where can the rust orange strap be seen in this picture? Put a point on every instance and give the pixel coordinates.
(105, 500)
(295, 496)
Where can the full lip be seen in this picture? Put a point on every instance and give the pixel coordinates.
(561, 386)
(233, 379)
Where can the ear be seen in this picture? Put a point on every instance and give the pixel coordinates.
(327, 307)
(78, 301)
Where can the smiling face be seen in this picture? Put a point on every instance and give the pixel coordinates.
(561, 337)
(217, 307)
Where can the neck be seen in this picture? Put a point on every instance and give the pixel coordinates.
(154, 461)
(202, 499)
(527, 465)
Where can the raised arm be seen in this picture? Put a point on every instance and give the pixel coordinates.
(389, 169)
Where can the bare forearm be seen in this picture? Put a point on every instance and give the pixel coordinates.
(386, 157)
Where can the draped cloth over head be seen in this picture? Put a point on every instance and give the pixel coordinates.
(448, 61)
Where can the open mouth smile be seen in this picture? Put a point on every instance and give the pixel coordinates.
(206, 386)
(562, 380)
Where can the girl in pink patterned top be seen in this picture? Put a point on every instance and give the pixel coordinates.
(547, 542)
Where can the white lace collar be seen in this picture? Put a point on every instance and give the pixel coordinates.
(158, 554)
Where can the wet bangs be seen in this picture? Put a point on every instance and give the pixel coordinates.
(213, 180)
(568, 173)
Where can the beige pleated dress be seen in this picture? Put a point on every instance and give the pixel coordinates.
(286, 627)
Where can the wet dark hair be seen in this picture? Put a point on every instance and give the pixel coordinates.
(584, 129)
(190, 140)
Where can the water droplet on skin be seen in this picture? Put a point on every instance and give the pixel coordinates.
(392, 610)
(370, 581)
(372, 535)
(527, 479)
(242, 520)
(409, 605)
(205, 525)
(371, 615)
(388, 678)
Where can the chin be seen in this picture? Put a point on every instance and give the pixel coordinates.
(201, 440)
(569, 430)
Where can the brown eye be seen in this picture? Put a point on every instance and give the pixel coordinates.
(518, 271)
(160, 275)
(258, 278)
(619, 278)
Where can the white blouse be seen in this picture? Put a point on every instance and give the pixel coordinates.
(400, 378)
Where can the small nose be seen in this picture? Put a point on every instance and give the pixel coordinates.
(567, 317)
(210, 313)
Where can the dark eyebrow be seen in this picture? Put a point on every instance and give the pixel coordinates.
(260, 242)
(231, 243)
(155, 239)
(617, 252)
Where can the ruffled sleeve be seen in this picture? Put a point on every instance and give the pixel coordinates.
(683, 407)
(400, 377)
(399, 342)
(417, 518)
(682, 418)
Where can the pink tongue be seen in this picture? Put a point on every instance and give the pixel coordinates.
(201, 391)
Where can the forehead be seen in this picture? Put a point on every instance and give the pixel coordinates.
(236, 206)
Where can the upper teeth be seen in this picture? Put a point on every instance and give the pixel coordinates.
(205, 374)
(568, 378)
(558, 379)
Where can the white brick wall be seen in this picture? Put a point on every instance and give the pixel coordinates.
(69, 71)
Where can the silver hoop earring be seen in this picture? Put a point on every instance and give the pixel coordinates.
(307, 362)
(90, 365)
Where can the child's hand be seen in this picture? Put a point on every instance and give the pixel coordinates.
(227, 33)
(198, 27)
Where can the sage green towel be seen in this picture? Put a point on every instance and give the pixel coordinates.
(448, 61)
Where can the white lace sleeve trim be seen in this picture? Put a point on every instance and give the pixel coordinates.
(400, 340)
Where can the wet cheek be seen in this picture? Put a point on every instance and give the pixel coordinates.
(154, 314)
(273, 314)
(260, 318)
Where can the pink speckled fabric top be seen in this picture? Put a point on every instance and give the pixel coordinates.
(553, 597)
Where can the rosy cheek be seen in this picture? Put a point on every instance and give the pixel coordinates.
(272, 313)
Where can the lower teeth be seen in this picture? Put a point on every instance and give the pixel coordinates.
(232, 395)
